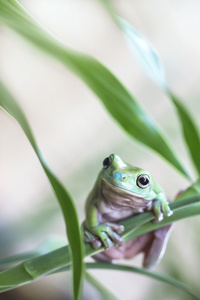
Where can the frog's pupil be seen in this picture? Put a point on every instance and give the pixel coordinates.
(106, 162)
(143, 181)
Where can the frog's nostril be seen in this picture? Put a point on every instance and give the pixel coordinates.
(124, 177)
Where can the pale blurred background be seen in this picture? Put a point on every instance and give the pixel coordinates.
(75, 133)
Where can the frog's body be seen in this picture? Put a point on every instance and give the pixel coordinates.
(121, 191)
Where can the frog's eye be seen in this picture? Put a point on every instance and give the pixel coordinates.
(106, 163)
(143, 181)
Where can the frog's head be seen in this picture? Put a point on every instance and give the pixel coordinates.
(125, 177)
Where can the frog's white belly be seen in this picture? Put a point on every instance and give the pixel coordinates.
(109, 213)
(115, 204)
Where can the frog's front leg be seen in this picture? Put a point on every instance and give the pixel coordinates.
(98, 233)
(160, 207)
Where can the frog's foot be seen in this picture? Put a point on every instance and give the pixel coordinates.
(166, 209)
(91, 238)
(161, 208)
(108, 233)
(115, 227)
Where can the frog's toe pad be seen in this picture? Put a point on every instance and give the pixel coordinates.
(96, 244)
(115, 227)
(118, 240)
(120, 229)
(107, 243)
(169, 213)
(158, 218)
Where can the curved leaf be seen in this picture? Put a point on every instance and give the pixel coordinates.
(140, 47)
(106, 295)
(189, 130)
(67, 205)
(117, 100)
(153, 67)
(170, 280)
(56, 260)
(145, 53)
(191, 191)
(46, 246)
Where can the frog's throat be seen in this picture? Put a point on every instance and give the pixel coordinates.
(120, 199)
(123, 191)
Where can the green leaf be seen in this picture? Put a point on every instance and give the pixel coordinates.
(106, 295)
(189, 130)
(179, 212)
(145, 53)
(46, 246)
(118, 101)
(67, 205)
(187, 198)
(191, 191)
(170, 280)
(56, 260)
(153, 67)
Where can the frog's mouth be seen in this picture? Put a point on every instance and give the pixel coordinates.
(126, 193)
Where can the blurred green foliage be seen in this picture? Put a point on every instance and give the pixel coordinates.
(137, 123)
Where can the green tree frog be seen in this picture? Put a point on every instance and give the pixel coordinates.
(121, 191)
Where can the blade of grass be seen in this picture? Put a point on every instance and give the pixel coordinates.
(67, 205)
(145, 54)
(114, 96)
(153, 275)
(192, 190)
(135, 222)
(170, 280)
(150, 226)
(153, 67)
(46, 246)
(31, 271)
(54, 261)
(189, 130)
(106, 295)
(160, 277)
(190, 196)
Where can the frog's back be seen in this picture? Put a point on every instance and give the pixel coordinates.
(94, 194)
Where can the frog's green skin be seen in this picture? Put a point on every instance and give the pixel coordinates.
(121, 190)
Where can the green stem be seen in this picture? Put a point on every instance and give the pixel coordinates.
(43, 265)
(150, 274)
(103, 291)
